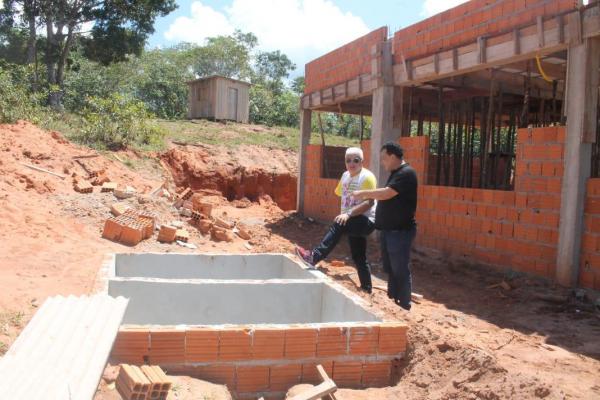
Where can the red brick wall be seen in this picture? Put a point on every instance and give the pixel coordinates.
(512, 229)
(416, 153)
(589, 271)
(268, 361)
(466, 22)
(344, 63)
(320, 201)
(516, 229)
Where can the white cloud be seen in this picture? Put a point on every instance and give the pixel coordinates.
(302, 29)
(432, 7)
(202, 23)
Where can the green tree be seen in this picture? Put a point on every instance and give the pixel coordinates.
(160, 80)
(228, 56)
(271, 68)
(120, 28)
(16, 100)
(298, 85)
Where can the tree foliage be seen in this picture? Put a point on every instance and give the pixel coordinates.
(116, 122)
(107, 70)
(16, 100)
(119, 28)
(228, 56)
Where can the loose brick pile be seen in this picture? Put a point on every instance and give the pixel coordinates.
(130, 228)
(167, 234)
(219, 228)
(145, 383)
(256, 361)
(108, 187)
(82, 186)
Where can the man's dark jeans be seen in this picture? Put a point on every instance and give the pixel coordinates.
(395, 253)
(357, 228)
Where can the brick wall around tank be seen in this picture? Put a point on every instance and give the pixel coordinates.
(256, 361)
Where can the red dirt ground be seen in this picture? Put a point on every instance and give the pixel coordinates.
(467, 341)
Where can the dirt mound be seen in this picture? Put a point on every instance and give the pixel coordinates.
(245, 172)
(23, 144)
(48, 244)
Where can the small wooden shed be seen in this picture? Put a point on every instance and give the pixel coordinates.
(220, 98)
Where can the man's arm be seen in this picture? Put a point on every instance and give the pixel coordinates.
(354, 211)
(361, 208)
(385, 193)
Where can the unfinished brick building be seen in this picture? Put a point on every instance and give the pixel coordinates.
(496, 105)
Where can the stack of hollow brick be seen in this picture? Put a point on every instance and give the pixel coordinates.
(83, 186)
(145, 383)
(130, 228)
(254, 362)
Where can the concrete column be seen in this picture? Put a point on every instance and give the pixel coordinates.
(305, 130)
(382, 125)
(581, 101)
(382, 130)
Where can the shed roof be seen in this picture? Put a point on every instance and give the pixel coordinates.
(215, 77)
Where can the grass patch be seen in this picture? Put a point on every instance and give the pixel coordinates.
(232, 134)
(10, 319)
(3, 348)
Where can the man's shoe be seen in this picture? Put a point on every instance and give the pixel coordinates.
(367, 290)
(404, 306)
(305, 256)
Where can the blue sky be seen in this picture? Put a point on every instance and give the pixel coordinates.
(302, 29)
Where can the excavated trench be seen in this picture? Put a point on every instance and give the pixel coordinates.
(248, 173)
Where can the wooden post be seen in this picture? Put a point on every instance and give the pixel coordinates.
(581, 109)
(382, 128)
(305, 128)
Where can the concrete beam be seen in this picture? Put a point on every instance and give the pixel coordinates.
(522, 45)
(305, 130)
(581, 110)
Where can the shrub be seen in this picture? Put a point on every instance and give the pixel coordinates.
(117, 122)
(16, 100)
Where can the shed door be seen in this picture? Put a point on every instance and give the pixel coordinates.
(232, 103)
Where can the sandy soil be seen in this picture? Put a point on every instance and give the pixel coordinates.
(467, 340)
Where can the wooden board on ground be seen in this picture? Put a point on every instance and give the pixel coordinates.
(326, 388)
(62, 352)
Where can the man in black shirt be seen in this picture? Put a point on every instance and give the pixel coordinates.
(395, 217)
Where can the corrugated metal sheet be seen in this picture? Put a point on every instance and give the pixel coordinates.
(62, 352)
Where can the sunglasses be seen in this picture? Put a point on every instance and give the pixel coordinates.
(356, 160)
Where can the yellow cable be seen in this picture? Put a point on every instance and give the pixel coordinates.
(539, 65)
